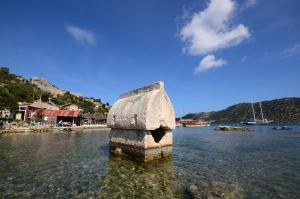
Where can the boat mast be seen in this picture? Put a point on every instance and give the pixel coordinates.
(253, 112)
(181, 115)
(262, 114)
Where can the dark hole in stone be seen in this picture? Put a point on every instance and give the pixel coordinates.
(158, 134)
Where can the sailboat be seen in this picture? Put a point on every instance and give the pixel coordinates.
(255, 121)
(264, 120)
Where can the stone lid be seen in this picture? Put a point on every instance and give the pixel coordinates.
(146, 108)
(155, 86)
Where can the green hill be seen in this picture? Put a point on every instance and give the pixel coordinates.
(285, 110)
(14, 89)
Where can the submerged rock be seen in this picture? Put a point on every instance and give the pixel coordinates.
(231, 128)
(197, 193)
(211, 192)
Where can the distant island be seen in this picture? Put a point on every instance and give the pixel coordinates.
(284, 110)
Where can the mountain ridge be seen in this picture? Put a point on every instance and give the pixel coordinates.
(282, 110)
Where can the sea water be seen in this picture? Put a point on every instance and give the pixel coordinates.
(263, 163)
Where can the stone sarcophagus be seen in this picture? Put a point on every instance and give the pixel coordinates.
(141, 123)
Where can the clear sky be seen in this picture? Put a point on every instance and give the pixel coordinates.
(210, 53)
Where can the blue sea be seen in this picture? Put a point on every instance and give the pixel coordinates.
(263, 163)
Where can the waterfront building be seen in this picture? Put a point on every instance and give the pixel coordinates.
(92, 119)
(28, 110)
(62, 117)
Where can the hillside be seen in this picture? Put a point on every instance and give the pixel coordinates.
(14, 89)
(44, 85)
(285, 110)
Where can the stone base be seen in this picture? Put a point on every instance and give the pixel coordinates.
(141, 145)
(140, 153)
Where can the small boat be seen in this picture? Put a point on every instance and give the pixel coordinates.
(178, 124)
(249, 122)
(194, 123)
(281, 128)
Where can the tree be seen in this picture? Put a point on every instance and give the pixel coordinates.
(98, 100)
(4, 70)
(45, 96)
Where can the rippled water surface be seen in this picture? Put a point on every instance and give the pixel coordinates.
(261, 164)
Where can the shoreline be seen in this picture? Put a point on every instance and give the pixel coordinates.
(48, 129)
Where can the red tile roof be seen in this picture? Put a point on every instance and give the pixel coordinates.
(61, 113)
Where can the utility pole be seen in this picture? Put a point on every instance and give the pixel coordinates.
(33, 93)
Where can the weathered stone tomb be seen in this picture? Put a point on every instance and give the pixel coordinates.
(141, 123)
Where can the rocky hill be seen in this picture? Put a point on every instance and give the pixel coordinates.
(14, 89)
(285, 110)
(44, 85)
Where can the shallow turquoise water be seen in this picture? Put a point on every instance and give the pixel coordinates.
(260, 164)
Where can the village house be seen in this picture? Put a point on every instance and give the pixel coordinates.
(62, 117)
(27, 111)
(5, 114)
(92, 119)
(71, 107)
(49, 113)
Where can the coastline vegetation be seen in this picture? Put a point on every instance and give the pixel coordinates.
(284, 110)
(14, 89)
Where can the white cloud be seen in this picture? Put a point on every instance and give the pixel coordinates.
(81, 35)
(209, 62)
(211, 29)
(248, 4)
(295, 49)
